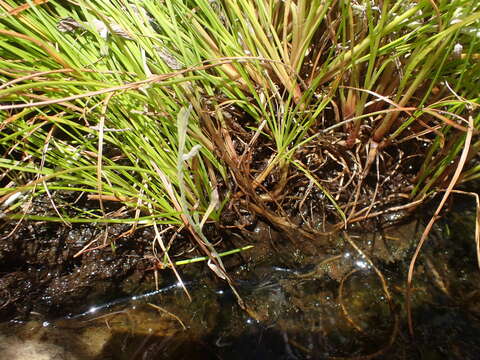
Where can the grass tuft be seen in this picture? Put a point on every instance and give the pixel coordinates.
(349, 109)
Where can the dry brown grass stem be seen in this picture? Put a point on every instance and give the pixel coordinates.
(34, 75)
(19, 9)
(477, 220)
(410, 205)
(342, 304)
(39, 43)
(207, 64)
(160, 309)
(435, 216)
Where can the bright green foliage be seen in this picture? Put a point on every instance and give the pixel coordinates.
(94, 109)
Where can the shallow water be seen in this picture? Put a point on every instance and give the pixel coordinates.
(302, 304)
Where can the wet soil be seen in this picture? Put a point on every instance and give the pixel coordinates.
(51, 267)
(40, 273)
(305, 300)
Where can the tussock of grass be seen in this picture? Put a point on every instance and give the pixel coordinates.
(298, 107)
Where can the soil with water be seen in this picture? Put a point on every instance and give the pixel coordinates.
(305, 301)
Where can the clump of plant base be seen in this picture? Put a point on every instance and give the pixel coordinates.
(311, 114)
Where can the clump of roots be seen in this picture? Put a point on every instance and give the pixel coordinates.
(327, 184)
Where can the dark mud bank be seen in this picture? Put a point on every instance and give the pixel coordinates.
(39, 271)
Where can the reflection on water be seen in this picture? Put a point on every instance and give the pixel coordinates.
(327, 306)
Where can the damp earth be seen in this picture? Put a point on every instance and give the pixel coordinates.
(303, 300)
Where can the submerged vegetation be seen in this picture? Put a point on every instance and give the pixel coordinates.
(314, 115)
